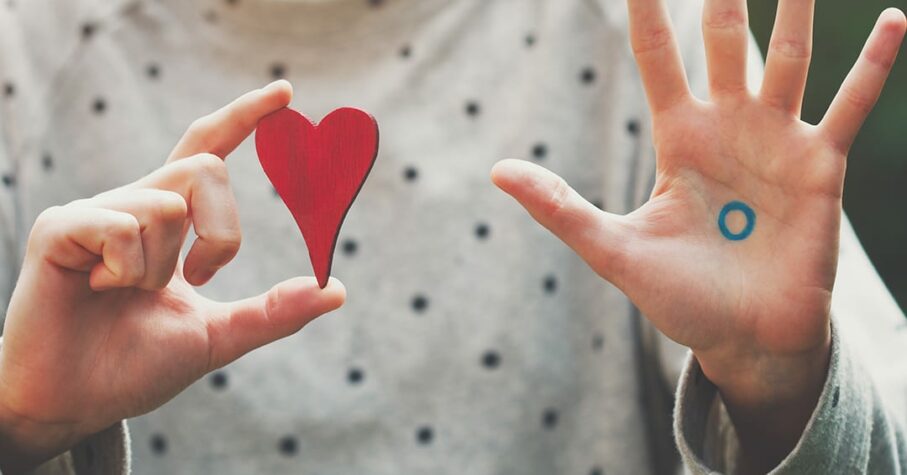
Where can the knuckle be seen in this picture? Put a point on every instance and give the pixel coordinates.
(790, 48)
(555, 206)
(202, 132)
(46, 224)
(124, 228)
(236, 114)
(225, 245)
(272, 303)
(210, 166)
(873, 57)
(125, 233)
(857, 100)
(652, 39)
(201, 127)
(727, 19)
(170, 207)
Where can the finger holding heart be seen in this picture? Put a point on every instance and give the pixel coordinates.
(195, 170)
(203, 182)
(221, 131)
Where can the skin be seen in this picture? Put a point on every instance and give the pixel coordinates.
(104, 323)
(755, 312)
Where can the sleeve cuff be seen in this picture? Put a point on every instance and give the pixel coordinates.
(105, 453)
(836, 438)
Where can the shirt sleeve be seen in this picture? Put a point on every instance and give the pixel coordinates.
(851, 429)
(105, 453)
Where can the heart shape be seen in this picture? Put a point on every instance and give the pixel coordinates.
(318, 169)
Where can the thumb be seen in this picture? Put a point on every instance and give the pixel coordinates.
(599, 238)
(237, 328)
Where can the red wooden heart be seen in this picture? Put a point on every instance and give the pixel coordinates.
(318, 169)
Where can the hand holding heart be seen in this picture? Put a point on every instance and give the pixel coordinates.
(76, 359)
(753, 301)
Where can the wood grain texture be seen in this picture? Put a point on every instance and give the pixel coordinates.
(318, 170)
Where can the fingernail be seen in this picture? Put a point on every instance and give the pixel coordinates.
(275, 84)
(334, 283)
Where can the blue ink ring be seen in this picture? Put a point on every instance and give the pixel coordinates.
(750, 220)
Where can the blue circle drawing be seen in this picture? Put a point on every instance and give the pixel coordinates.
(750, 220)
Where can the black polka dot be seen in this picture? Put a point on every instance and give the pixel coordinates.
(835, 396)
(550, 284)
(424, 435)
(406, 51)
(278, 71)
(596, 471)
(218, 380)
(529, 40)
(491, 359)
(9, 180)
(88, 30)
(99, 106)
(410, 173)
(349, 247)
(549, 418)
(158, 444)
(473, 108)
(482, 231)
(288, 445)
(587, 75)
(539, 151)
(153, 71)
(633, 127)
(9, 89)
(598, 342)
(419, 303)
(355, 376)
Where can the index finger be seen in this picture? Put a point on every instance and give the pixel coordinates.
(657, 54)
(220, 132)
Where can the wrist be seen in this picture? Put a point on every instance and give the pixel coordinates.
(770, 398)
(26, 443)
(768, 379)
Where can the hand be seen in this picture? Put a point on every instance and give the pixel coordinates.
(752, 304)
(104, 323)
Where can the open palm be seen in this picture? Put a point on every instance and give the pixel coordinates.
(735, 254)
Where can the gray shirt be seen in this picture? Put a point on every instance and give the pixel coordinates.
(472, 341)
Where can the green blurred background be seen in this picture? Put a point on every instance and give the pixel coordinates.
(875, 192)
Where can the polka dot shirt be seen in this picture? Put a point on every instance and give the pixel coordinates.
(472, 341)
